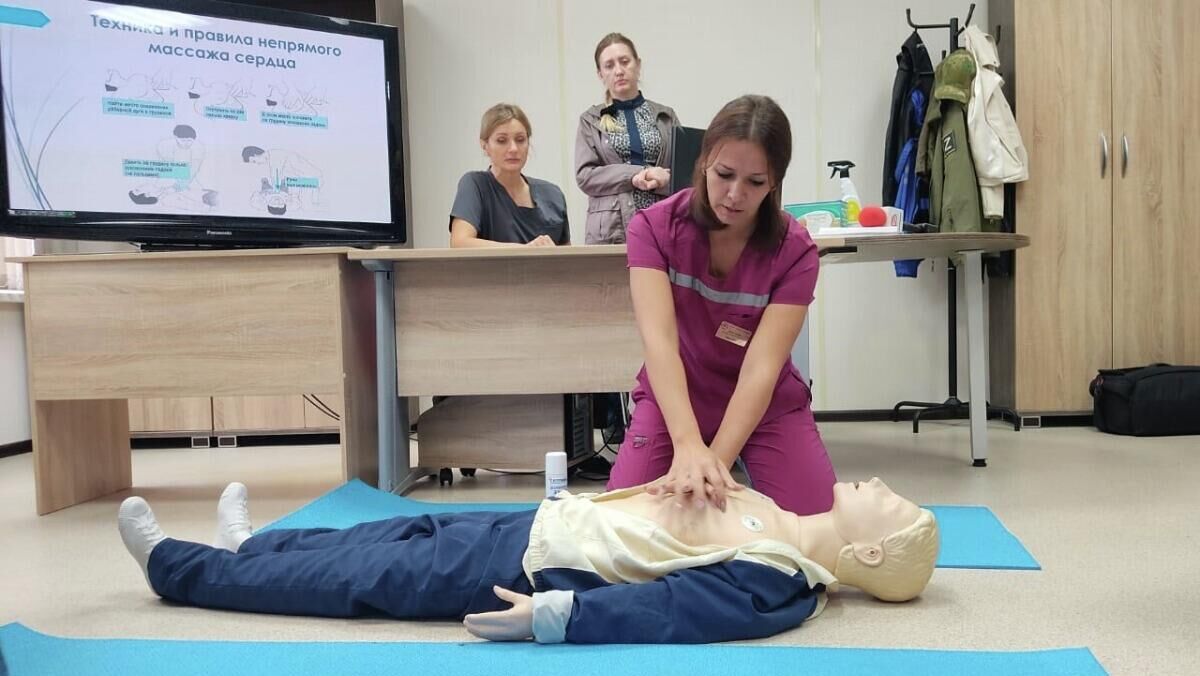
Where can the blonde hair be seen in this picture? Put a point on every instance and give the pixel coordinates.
(499, 114)
(608, 123)
(908, 559)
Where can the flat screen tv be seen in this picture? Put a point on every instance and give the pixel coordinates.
(192, 122)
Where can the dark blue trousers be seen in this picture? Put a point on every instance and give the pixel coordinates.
(428, 566)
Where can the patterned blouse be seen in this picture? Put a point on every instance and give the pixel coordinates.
(642, 147)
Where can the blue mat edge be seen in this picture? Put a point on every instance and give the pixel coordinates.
(1081, 651)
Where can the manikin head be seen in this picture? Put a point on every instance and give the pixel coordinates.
(892, 543)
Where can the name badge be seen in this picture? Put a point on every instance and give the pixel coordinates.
(731, 333)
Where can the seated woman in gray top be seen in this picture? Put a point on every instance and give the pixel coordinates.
(501, 206)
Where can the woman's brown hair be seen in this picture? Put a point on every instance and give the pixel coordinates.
(610, 40)
(609, 123)
(757, 119)
(499, 114)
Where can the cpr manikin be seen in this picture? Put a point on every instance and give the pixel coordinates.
(620, 567)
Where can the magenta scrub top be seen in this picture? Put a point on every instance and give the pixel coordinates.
(664, 237)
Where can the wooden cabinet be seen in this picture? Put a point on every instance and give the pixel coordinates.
(187, 414)
(1104, 93)
(280, 413)
(224, 415)
(321, 411)
(1156, 178)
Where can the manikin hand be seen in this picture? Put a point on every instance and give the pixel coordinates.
(697, 477)
(514, 624)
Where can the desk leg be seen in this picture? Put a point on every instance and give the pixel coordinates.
(80, 451)
(393, 411)
(977, 355)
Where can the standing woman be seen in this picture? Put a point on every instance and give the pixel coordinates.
(721, 279)
(501, 206)
(623, 147)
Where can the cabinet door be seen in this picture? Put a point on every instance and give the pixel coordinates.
(1156, 259)
(322, 411)
(258, 413)
(185, 414)
(1063, 289)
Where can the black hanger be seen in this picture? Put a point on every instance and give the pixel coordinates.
(953, 25)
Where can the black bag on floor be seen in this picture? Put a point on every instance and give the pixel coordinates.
(1156, 400)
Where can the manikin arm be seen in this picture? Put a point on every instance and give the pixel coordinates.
(719, 602)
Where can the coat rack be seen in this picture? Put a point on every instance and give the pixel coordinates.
(952, 408)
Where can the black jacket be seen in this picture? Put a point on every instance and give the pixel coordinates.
(914, 71)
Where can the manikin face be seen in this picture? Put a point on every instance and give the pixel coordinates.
(737, 181)
(620, 71)
(866, 512)
(508, 146)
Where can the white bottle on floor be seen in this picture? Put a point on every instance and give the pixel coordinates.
(556, 472)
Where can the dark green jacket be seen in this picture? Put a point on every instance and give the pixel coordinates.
(944, 155)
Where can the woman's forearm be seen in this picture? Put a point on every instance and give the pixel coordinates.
(478, 243)
(749, 402)
(668, 380)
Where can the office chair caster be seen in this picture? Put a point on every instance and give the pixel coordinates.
(445, 477)
(467, 471)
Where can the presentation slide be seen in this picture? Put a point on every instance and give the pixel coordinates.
(113, 108)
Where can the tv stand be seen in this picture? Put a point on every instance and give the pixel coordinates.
(243, 246)
(153, 247)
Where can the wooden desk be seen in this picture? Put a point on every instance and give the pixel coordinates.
(104, 328)
(550, 320)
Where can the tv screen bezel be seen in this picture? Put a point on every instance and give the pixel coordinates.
(193, 230)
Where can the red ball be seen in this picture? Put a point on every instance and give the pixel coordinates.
(871, 217)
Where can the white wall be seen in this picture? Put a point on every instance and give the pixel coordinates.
(14, 402)
(830, 65)
(876, 338)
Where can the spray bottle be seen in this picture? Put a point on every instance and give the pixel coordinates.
(849, 192)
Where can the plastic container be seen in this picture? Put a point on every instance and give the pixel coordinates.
(841, 169)
(836, 209)
(556, 472)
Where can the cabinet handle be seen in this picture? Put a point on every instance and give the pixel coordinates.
(1103, 155)
(1124, 154)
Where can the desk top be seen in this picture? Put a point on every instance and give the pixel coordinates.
(853, 248)
(168, 255)
(489, 253)
(849, 249)
(868, 248)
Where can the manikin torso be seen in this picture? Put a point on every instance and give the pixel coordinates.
(749, 516)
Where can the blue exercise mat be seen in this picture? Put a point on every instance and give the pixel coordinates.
(972, 537)
(29, 653)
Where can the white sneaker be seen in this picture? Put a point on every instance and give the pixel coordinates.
(139, 531)
(233, 518)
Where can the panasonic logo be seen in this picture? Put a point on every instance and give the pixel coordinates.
(227, 233)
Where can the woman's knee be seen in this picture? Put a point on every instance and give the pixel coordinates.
(642, 458)
(646, 453)
(787, 461)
